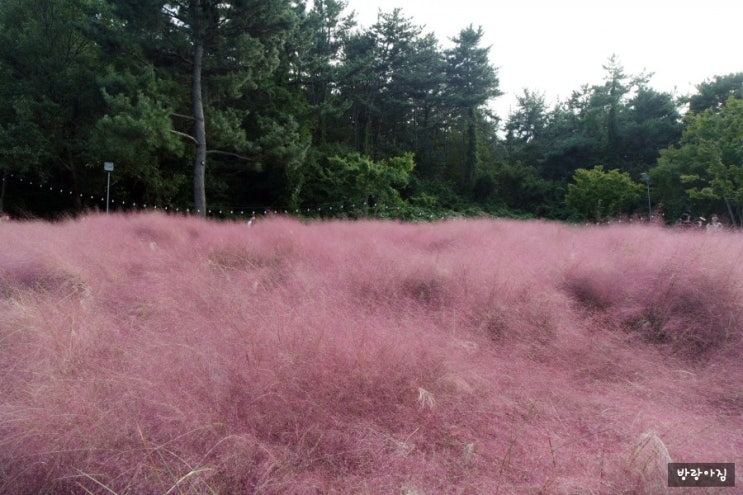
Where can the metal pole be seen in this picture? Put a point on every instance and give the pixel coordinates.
(108, 167)
(108, 189)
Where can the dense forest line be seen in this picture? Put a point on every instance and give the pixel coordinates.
(228, 107)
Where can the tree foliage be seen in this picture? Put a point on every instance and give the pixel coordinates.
(205, 56)
(471, 82)
(598, 195)
(48, 72)
(710, 157)
(357, 181)
(288, 103)
(714, 93)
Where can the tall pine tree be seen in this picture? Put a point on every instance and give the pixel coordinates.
(205, 54)
(471, 83)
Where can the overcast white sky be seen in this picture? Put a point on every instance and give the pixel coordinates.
(554, 47)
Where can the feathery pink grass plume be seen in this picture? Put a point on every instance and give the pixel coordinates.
(147, 354)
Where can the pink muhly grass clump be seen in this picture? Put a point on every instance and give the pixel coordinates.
(671, 289)
(177, 355)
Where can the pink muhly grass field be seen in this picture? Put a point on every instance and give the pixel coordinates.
(147, 354)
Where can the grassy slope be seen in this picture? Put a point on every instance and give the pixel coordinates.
(151, 354)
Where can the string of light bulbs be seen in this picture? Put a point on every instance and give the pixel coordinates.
(363, 209)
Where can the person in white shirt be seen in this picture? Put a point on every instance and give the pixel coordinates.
(714, 224)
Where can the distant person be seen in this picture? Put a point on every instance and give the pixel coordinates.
(251, 221)
(685, 220)
(714, 225)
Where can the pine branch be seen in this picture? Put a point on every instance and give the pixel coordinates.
(227, 153)
(183, 134)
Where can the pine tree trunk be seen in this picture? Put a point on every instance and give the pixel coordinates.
(470, 164)
(2, 190)
(199, 132)
(730, 212)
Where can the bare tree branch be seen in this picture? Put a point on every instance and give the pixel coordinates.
(227, 153)
(183, 134)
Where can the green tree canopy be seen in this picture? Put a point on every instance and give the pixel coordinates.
(358, 180)
(714, 92)
(597, 194)
(48, 88)
(711, 150)
(205, 56)
(470, 83)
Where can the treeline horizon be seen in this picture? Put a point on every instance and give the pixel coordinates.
(291, 106)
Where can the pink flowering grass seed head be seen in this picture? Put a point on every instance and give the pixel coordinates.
(164, 354)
